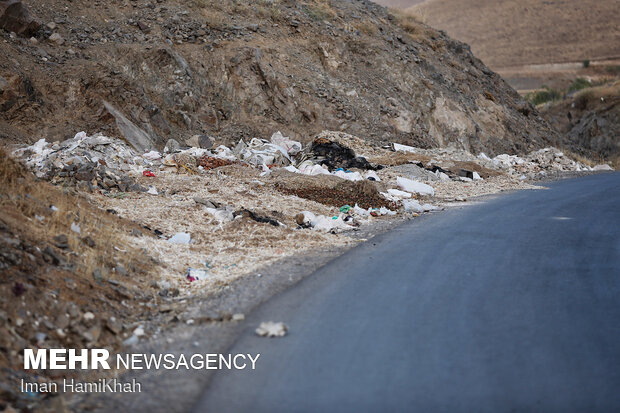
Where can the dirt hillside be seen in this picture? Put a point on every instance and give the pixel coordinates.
(505, 33)
(176, 69)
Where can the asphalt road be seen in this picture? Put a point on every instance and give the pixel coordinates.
(509, 305)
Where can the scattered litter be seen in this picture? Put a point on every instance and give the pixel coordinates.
(180, 238)
(194, 274)
(224, 214)
(321, 222)
(332, 154)
(271, 329)
(399, 194)
(261, 152)
(238, 317)
(75, 228)
(152, 155)
(412, 205)
(148, 173)
(403, 148)
(415, 186)
(258, 218)
(152, 190)
(372, 176)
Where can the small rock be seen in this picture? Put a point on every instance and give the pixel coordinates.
(120, 270)
(205, 142)
(56, 39)
(92, 335)
(143, 26)
(40, 337)
(51, 25)
(62, 321)
(194, 141)
(172, 146)
(88, 316)
(61, 241)
(136, 233)
(89, 242)
(97, 275)
(114, 325)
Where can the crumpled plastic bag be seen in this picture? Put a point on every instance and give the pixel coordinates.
(292, 147)
(415, 186)
(260, 152)
(412, 205)
(222, 214)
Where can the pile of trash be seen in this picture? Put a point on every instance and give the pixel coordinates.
(538, 162)
(532, 165)
(97, 156)
(95, 161)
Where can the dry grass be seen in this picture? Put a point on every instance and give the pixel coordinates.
(319, 10)
(26, 209)
(413, 23)
(367, 27)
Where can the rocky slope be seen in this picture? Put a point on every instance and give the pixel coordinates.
(152, 70)
(590, 122)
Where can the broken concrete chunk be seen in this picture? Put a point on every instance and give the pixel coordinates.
(135, 136)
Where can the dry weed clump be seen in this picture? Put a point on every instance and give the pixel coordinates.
(411, 22)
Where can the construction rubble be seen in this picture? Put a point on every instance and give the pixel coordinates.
(220, 212)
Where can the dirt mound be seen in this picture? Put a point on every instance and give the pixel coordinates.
(334, 191)
(148, 71)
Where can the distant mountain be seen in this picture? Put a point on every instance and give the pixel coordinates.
(507, 33)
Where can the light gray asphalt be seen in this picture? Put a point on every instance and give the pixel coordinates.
(511, 305)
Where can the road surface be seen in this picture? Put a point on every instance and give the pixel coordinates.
(510, 305)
